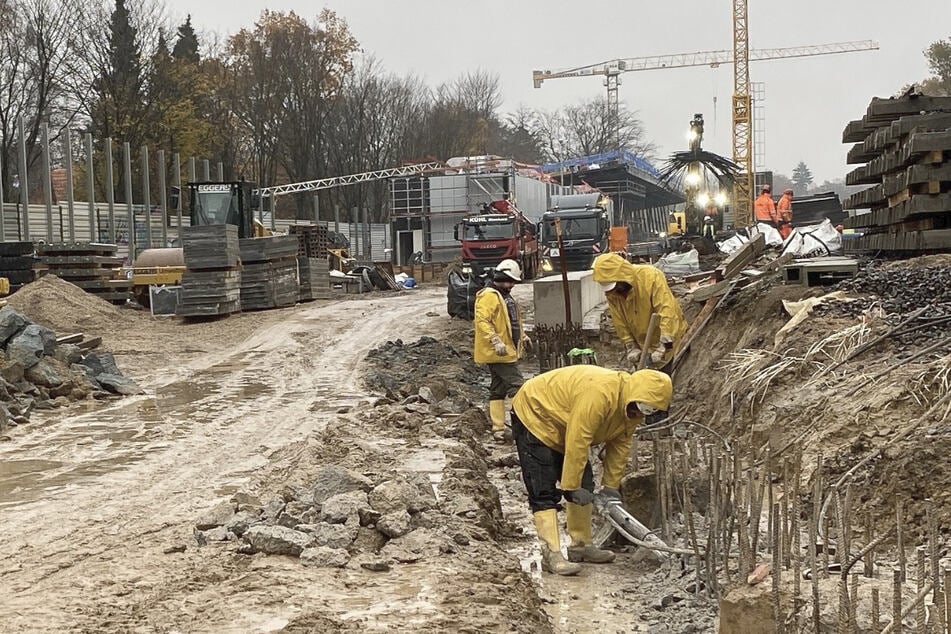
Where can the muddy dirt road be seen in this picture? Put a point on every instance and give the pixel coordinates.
(91, 501)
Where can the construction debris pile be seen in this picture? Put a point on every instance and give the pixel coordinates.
(905, 144)
(269, 272)
(397, 370)
(211, 285)
(40, 371)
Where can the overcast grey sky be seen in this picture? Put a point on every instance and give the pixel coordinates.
(808, 101)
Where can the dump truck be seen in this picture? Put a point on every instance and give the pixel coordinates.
(585, 224)
(489, 238)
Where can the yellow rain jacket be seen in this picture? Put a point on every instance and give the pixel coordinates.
(572, 408)
(649, 294)
(492, 318)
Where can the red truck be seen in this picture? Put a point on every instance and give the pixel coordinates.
(489, 238)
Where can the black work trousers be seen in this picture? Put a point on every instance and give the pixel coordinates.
(541, 469)
(506, 380)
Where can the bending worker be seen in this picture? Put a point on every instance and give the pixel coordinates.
(634, 291)
(500, 339)
(556, 417)
(764, 208)
(784, 212)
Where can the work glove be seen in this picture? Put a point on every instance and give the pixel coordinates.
(666, 345)
(633, 353)
(607, 494)
(499, 345)
(581, 497)
(527, 343)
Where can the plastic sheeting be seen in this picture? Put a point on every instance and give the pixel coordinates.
(680, 263)
(771, 234)
(814, 240)
(460, 295)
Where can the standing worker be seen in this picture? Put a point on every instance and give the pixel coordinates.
(634, 292)
(784, 211)
(556, 417)
(500, 339)
(764, 207)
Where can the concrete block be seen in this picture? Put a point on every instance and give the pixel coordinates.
(584, 295)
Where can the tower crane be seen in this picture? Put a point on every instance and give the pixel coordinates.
(740, 56)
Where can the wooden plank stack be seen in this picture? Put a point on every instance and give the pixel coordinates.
(905, 145)
(211, 284)
(314, 278)
(91, 266)
(18, 264)
(269, 272)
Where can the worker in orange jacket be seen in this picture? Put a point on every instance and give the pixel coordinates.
(784, 211)
(765, 209)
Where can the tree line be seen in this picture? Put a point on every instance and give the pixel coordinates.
(286, 99)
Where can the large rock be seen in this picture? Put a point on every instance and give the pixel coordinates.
(393, 496)
(11, 323)
(28, 347)
(11, 372)
(395, 524)
(332, 480)
(68, 353)
(343, 506)
(118, 384)
(218, 515)
(330, 535)
(368, 541)
(295, 513)
(323, 557)
(277, 540)
(101, 363)
(43, 374)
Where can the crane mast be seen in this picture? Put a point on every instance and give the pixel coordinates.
(742, 116)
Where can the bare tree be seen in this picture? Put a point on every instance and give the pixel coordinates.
(590, 128)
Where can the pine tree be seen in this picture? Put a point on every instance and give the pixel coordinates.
(802, 178)
(186, 47)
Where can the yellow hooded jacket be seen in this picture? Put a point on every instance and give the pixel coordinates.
(492, 318)
(649, 294)
(572, 408)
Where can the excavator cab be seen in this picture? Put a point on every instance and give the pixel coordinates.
(223, 203)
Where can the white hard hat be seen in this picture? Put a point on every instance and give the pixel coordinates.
(608, 286)
(509, 269)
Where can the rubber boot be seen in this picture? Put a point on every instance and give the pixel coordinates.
(497, 416)
(578, 519)
(546, 523)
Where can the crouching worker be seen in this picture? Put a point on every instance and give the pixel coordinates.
(556, 417)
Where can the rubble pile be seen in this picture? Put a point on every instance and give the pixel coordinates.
(39, 372)
(399, 370)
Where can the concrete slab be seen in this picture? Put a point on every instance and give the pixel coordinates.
(584, 295)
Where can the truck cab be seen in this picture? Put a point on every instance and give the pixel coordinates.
(489, 238)
(585, 226)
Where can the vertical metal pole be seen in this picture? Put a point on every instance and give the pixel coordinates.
(177, 182)
(336, 218)
(91, 189)
(127, 177)
(356, 231)
(146, 197)
(70, 209)
(206, 169)
(368, 239)
(221, 171)
(192, 177)
(3, 227)
(163, 197)
(110, 192)
(316, 208)
(24, 183)
(47, 180)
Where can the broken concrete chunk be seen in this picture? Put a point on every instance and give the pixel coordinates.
(273, 509)
(27, 348)
(68, 353)
(277, 540)
(395, 524)
(393, 496)
(240, 522)
(218, 515)
(330, 535)
(246, 499)
(368, 541)
(339, 508)
(332, 480)
(324, 557)
(217, 534)
(118, 384)
(101, 363)
(11, 323)
(11, 372)
(43, 374)
(294, 513)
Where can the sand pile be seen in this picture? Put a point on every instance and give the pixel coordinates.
(65, 307)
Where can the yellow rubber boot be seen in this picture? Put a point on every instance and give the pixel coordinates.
(497, 416)
(578, 519)
(546, 523)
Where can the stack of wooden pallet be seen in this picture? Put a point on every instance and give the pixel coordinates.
(905, 145)
(269, 272)
(91, 266)
(211, 284)
(18, 264)
(313, 239)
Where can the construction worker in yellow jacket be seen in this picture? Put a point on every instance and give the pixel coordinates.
(634, 291)
(500, 339)
(556, 417)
